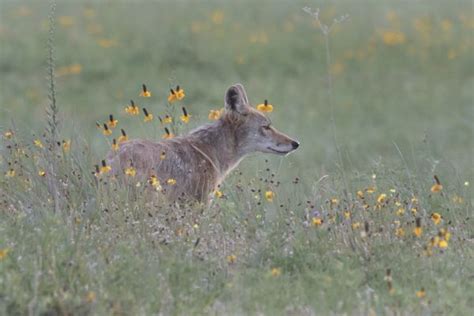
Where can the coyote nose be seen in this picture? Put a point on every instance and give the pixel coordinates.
(295, 144)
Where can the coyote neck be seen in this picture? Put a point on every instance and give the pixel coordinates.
(218, 144)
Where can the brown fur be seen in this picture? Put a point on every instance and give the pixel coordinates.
(201, 160)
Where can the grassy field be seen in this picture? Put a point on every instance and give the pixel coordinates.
(357, 225)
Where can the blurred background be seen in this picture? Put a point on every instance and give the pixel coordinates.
(402, 72)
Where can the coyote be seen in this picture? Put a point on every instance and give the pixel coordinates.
(200, 160)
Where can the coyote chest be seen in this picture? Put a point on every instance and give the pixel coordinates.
(192, 166)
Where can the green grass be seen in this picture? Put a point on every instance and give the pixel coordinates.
(403, 113)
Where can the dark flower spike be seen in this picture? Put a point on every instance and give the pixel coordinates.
(145, 111)
(177, 88)
(265, 102)
(161, 120)
(132, 103)
(366, 226)
(123, 132)
(172, 91)
(167, 130)
(437, 180)
(418, 222)
(111, 118)
(104, 164)
(144, 88)
(185, 112)
(106, 130)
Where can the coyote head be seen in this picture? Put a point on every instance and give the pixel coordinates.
(253, 131)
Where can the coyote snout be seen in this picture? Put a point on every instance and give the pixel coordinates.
(200, 160)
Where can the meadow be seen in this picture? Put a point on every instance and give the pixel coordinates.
(371, 215)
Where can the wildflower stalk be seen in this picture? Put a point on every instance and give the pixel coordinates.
(52, 111)
(326, 31)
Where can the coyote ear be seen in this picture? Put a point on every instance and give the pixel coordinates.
(236, 98)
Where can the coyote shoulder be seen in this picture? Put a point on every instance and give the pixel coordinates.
(200, 160)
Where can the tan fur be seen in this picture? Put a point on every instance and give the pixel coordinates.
(201, 160)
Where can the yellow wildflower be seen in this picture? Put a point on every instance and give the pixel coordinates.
(3, 253)
(265, 107)
(214, 114)
(41, 173)
(107, 131)
(145, 93)
(393, 38)
(317, 221)
(443, 244)
(217, 16)
(115, 146)
(185, 117)
(106, 42)
(91, 297)
(400, 211)
(446, 25)
(130, 171)
(445, 234)
(218, 194)
(457, 199)
(434, 241)
(38, 143)
(8, 134)
(334, 201)
(269, 196)
(360, 194)
(168, 134)
(437, 187)
(355, 225)
(105, 168)
(148, 116)
(155, 182)
(337, 68)
(418, 230)
(122, 138)
(276, 272)
(399, 232)
(171, 181)
(347, 214)
(382, 198)
(132, 109)
(421, 293)
(10, 173)
(167, 119)
(436, 218)
(177, 94)
(370, 190)
(231, 259)
(112, 123)
(67, 145)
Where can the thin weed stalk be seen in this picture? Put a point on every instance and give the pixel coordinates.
(326, 31)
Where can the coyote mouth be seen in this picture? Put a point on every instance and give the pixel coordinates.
(281, 152)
